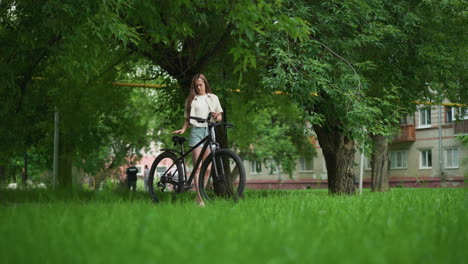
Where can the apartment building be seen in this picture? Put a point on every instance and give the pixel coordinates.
(425, 153)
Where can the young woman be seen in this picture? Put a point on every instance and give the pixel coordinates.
(200, 102)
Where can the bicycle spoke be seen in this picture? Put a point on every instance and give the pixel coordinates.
(164, 175)
(225, 178)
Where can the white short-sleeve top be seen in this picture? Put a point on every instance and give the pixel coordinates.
(201, 106)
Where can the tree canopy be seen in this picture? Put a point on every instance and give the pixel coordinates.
(343, 67)
(368, 64)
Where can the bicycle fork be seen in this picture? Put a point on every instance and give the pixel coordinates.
(213, 147)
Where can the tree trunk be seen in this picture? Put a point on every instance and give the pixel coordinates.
(24, 175)
(338, 151)
(65, 162)
(380, 164)
(2, 175)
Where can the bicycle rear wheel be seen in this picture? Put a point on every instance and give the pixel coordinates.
(165, 174)
(230, 182)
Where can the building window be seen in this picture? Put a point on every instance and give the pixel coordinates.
(462, 113)
(449, 114)
(425, 118)
(426, 159)
(451, 158)
(274, 168)
(456, 113)
(367, 163)
(397, 159)
(255, 167)
(306, 164)
(160, 171)
(459, 113)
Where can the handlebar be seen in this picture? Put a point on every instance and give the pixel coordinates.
(210, 123)
(198, 119)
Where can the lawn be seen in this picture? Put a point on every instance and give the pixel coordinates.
(307, 226)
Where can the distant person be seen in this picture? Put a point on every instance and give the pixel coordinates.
(146, 177)
(132, 172)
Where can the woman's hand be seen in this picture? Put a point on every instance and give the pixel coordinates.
(183, 129)
(180, 131)
(217, 116)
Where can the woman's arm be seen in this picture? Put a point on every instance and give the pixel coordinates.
(184, 127)
(218, 110)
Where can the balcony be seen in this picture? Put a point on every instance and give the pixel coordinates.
(407, 133)
(460, 127)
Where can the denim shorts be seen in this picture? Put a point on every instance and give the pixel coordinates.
(197, 134)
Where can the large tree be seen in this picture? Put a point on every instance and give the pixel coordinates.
(318, 75)
(60, 56)
(367, 65)
(420, 57)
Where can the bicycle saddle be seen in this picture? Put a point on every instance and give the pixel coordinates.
(179, 140)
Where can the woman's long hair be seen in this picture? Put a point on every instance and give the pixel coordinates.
(193, 92)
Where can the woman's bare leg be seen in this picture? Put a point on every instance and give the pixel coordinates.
(195, 155)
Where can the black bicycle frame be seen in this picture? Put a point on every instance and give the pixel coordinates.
(208, 142)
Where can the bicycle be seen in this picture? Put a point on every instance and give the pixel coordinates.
(223, 178)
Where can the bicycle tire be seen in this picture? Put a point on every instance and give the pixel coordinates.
(229, 166)
(159, 168)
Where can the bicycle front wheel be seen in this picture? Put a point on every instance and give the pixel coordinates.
(222, 175)
(165, 174)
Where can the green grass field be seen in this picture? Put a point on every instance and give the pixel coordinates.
(307, 226)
